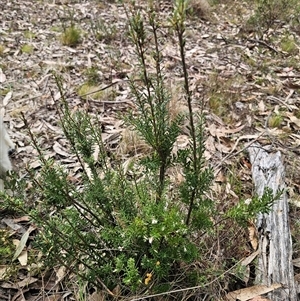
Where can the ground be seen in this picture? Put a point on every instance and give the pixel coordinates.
(248, 81)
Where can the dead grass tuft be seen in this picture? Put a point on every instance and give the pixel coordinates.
(176, 106)
(199, 8)
(132, 144)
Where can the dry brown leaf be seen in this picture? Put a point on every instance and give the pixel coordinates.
(210, 144)
(60, 274)
(223, 148)
(7, 98)
(253, 236)
(261, 106)
(24, 218)
(27, 281)
(245, 276)
(12, 224)
(297, 278)
(60, 150)
(97, 296)
(219, 177)
(181, 142)
(23, 258)
(21, 245)
(229, 191)
(251, 292)
(2, 76)
(52, 297)
(293, 118)
(21, 284)
(223, 131)
(35, 164)
(296, 262)
(259, 298)
(249, 259)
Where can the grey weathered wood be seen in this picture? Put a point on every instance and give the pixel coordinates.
(275, 259)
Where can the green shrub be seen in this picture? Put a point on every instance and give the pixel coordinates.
(269, 11)
(123, 227)
(288, 44)
(71, 36)
(275, 120)
(27, 49)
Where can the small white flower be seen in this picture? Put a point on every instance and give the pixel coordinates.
(248, 201)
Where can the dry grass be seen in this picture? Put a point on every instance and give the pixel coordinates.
(199, 8)
(132, 144)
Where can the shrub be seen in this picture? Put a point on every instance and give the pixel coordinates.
(269, 11)
(124, 227)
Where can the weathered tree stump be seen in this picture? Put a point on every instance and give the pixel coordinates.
(275, 245)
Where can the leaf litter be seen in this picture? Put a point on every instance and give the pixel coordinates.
(243, 81)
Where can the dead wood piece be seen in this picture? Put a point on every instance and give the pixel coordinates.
(275, 259)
